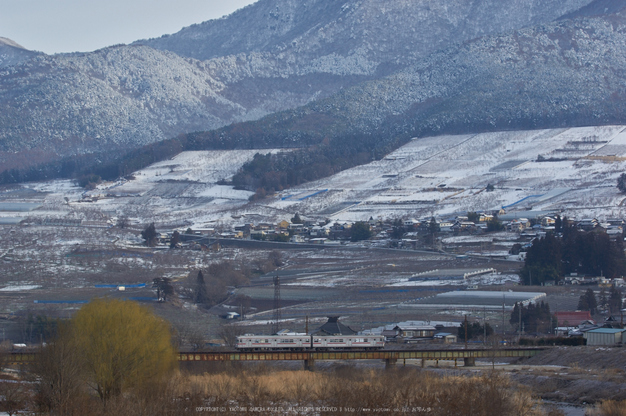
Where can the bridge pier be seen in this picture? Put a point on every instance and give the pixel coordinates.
(469, 361)
(390, 363)
(309, 365)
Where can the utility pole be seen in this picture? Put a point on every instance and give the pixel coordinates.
(519, 327)
(503, 302)
(277, 312)
(466, 330)
(484, 325)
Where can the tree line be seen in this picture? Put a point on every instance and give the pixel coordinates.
(585, 253)
(611, 302)
(321, 145)
(533, 318)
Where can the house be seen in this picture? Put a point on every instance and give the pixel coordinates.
(614, 322)
(588, 224)
(614, 230)
(390, 335)
(283, 225)
(243, 227)
(318, 240)
(413, 333)
(605, 336)
(516, 226)
(237, 234)
(319, 232)
(548, 222)
(333, 327)
(485, 218)
(297, 228)
(568, 319)
(297, 238)
(257, 234)
(445, 226)
(412, 222)
(213, 247)
(205, 231)
(446, 337)
(466, 225)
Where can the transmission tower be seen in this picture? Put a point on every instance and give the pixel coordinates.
(276, 319)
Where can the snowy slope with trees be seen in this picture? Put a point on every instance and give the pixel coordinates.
(573, 171)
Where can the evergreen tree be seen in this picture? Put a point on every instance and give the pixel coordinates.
(615, 300)
(621, 183)
(495, 225)
(558, 224)
(398, 229)
(603, 300)
(536, 318)
(360, 230)
(201, 296)
(150, 235)
(175, 239)
(587, 302)
(163, 288)
(433, 227)
(543, 261)
(473, 217)
(296, 219)
(474, 330)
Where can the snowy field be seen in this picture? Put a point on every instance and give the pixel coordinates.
(571, 170)
(574, 170)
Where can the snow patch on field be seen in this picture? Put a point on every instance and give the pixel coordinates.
(19, 288)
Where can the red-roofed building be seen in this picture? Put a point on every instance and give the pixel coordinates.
(573, 318)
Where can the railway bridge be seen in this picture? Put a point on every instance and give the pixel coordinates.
(390, 357)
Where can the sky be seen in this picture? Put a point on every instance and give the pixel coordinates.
(55, 26)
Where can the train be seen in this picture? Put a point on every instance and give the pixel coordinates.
(288, 342)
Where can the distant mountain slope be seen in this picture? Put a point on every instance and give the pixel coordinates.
(570, 72)
(567, 73)
(377, 31)
(564, 74)
(12, 53)
(271, 56)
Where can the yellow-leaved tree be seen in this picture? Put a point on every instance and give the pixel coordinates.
(123, 346)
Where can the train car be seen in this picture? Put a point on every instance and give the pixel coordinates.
(347, 342)
(308, 342)
(273, 342)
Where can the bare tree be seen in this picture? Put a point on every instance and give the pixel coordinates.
(123, 221)
(13, 397)
(191, 335)
(58, 372)
(229, 334)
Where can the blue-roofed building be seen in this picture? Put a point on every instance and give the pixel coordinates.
(605, 336)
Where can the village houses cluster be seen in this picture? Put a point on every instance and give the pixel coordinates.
(401, 233)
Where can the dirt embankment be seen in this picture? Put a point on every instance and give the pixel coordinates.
(578, 375)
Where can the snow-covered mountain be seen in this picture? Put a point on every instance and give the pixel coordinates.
(273, 55)
(559, 74)
(12, 53)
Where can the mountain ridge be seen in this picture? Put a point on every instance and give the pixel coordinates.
(127, 96)
(12, 53)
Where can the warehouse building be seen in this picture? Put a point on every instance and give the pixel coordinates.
(605, 336)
